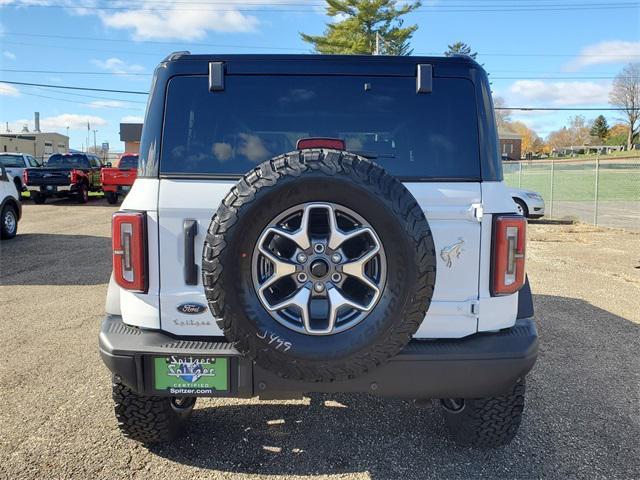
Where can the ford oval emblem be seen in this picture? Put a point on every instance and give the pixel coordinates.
(191, 308)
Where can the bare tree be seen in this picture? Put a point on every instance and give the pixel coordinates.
(625, 94)
(503, 117)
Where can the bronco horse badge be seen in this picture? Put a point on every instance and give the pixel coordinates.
(448, 253)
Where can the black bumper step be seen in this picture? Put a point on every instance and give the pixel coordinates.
(481, 365)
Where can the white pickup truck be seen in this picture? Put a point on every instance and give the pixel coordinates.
(15, 163)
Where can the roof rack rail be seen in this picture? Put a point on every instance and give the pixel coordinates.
(176, 55)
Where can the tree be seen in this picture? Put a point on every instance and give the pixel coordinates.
(460, 48)
(360, 21)
(618, 134)
(503, 117)
(625, 94)
(600, 128)
(531, 142)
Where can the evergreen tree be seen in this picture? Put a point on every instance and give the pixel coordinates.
(460, 48)
(600, 128)
(362, 20)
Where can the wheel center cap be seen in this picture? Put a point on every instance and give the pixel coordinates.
(319, 268)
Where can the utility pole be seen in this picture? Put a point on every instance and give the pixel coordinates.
(95, 145)
(378, 44)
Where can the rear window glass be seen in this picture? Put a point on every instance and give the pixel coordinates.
(430, 135)
(12, 161)
(128, 161)
(72, 161)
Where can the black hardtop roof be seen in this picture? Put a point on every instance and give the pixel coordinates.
(182, 62)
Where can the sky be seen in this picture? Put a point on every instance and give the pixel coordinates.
(538, 53)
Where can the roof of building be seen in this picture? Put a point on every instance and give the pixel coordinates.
(130, 132)
(506, 134)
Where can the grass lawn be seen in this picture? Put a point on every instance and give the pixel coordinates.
(579, 184)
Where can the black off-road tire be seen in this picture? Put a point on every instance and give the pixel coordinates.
(486, 422)
(319, 176)
(111, 197)
(149, 419)
(38, 198)
(7, 232)
(83, 194)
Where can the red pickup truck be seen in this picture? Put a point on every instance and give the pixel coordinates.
(118, 180)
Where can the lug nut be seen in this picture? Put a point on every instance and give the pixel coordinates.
(301, 258)
(336, 258)
(302, 277)
(318, 248)
(336, 277)
(318, 287)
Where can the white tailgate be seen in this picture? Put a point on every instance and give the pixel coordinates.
(450, 209)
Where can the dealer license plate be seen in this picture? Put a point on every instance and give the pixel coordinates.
(126, 188)
(186, 374)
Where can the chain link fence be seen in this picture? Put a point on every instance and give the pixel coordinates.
(601, 191)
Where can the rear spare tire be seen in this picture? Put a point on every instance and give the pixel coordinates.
(319, 265)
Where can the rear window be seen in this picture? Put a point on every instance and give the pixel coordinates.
(128, 161)
(12, 161)
(432, 135)
(68, 161)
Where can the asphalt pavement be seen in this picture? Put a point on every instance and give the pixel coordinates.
(582, 414)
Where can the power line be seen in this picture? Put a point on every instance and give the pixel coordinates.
(119, 74)
(261, 47)
(312, 8)
(497, 108)
(81, 103)
(133, 92)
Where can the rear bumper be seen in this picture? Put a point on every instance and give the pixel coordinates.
(50, 189)
(482, 365)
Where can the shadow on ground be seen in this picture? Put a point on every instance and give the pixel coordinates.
(581, 419)
(55, 259)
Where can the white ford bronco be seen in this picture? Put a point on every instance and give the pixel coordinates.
(319, 224)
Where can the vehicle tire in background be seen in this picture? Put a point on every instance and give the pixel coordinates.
(318, 186)
(150, 419)
(38, 198)
(83, 194)
(111, 197)
(485, 422)
(522, 207)
(8, 222)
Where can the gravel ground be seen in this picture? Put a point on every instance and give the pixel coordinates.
(582, 412)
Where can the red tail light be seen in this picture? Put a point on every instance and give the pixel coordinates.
(129, 240)
(334, 143)
(25, 177)
(74, 176)
(509, 239)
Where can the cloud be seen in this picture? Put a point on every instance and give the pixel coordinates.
(60, 122)
(9, 55)
(131, 119)
(613, 51)
(167, 21)
(8, 90)
(116, 65)
(558, 94)
(108, 104)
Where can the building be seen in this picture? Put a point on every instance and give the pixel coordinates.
(510, 144)
(130, 134)
(39, 144)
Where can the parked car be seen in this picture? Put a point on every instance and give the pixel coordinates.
(318, 265)
(10, 206)
(15, 163)
(118, 180)
(70, 174)
(530, 204)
